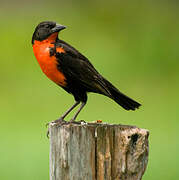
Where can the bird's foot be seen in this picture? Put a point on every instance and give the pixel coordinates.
(77, 122)
(59, 121)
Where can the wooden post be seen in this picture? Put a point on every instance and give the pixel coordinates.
(97, 151)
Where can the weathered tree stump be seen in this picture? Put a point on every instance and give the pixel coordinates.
(96, 151)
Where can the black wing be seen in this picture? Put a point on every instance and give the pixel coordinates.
(72, 51)
(77, 68)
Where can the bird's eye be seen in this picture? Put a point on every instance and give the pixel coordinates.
(47, 26)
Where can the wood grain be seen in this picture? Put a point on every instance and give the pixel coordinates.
(97, 151)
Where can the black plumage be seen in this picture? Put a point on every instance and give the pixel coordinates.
(81, 76)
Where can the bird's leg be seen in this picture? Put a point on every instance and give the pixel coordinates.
(81, 107)
(61, 119)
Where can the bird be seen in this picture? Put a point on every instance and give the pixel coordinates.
(71, 70)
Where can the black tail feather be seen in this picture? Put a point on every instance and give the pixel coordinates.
(123, 100)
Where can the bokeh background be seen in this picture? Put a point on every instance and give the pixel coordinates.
(134, 44)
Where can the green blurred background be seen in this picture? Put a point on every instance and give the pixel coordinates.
(134, 44)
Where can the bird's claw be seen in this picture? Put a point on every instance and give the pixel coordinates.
(47, 124)
(59, 121)
(77, 122)
(47, 134)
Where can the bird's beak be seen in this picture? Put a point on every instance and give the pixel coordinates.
(58, 28)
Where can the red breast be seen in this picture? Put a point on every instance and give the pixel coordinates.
(48, 63)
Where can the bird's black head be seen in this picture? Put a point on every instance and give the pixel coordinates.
(45, 29)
